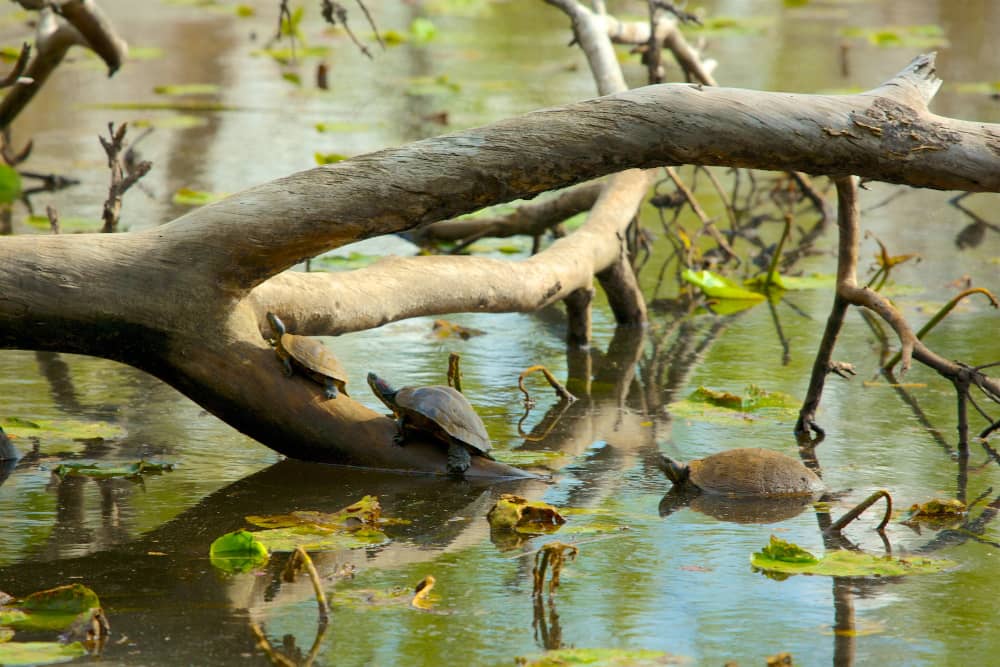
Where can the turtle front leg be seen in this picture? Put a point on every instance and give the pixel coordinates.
(286, 366)
(400, 435)
(331, 388)
(459, 459)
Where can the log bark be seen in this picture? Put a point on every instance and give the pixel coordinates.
(185, 301)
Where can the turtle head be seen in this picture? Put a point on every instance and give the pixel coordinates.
(276, 325)
(382, 389)
(675, 471)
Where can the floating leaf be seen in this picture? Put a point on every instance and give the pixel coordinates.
(719, 287)
(187, 89)
(354, 260)
(175, 105)
(189, 197)
(66, 225)
(392, 38)
(913, 36)
(54, 609)
(39, 653)
(329, 158)
(417, 597)
(754, 398)
(177, 121)
(978, 87)
(514, 513)
(60, 429)
(236, 552)
(365, 512)
(10, 184)
(936, 512)
(446, 329)
(784, 558)
(341, 126)
(731, 25)
(97, 471)
(423, 30)
(529, 458)
(292, 77)
(425, 85)
(285, 55)
(316, 538)
(600, 657)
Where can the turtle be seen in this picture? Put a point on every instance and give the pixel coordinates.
(743, 472)
(440, 412)
(308, 356)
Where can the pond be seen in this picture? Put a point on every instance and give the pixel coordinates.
(682, 583)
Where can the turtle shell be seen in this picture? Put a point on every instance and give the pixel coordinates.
(751, 471)
(438, 410)
(314, 356)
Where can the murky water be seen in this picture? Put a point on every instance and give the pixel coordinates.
(680, 584)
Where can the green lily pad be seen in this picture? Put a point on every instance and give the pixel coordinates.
(785, 558)
(354, 260)
(182, 89)
(189, 197)
(909, 36)
(97, 471)
(285, 55)
(365, 512)
(422, 30)
(175, 105)
(600, 657)
(732, 25)
(329, 158)
(753, 398)
(236, 552)
(10, 184)
(529, 458)
(719, 287)
(39, 653)
(342, 126)
(793, 283)
(978, 87)
(175, 121)
(60, 429)
(66, 225)
(54, 609)
(317, 538)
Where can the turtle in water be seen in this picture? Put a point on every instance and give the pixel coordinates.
(745, 471)
(308, 356)
(746, 485)
(440, 412)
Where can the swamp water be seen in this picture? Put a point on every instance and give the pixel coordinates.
(681, 584)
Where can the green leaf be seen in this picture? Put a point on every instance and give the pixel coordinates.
(60, 429)
(187, 89)
(365, 512)
(342, 126)
(54, 609)
(10, 184)
(393, 38)
(355, 260)
(785, 558)
(423, 30)
(96, 471)
(719, 287)
(177, 121)
(174, 105)
(317, 538)
(329, 158)
(292, 77)
(66, 225)
(245, 11)
(599, 657)
(236, 552)
(39, 653)
(284, 54)
(189, 197)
